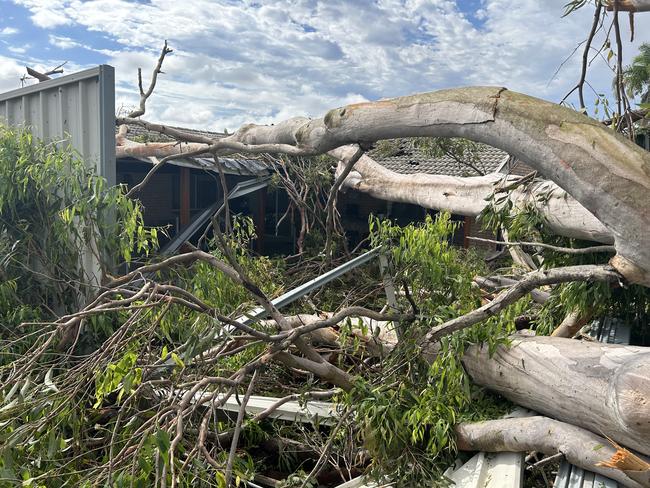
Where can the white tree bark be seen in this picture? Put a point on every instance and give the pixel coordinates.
(606, 173)
(572, 323)
(467, 196)
(603, 388)
(579, 446)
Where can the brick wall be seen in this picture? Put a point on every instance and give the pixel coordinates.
(518, 168)
(474, 229)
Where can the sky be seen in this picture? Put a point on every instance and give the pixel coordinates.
(260, 61)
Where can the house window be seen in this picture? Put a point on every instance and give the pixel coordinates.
(643, 140)
(204, 191)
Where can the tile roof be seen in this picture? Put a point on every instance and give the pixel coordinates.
(410, 159)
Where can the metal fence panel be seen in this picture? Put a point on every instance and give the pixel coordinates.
(79, 108)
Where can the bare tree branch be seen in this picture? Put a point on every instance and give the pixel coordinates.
(565, 250)
(238, 425)
(144, 95)
(585, 58)
(331, 199)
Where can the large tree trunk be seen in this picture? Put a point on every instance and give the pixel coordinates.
(468, 196)
(606, 173)
(601, 387)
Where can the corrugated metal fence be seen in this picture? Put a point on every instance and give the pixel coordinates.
(79, 108)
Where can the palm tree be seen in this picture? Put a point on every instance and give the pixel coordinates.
(637, 76)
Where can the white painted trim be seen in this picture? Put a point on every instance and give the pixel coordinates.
(307, 412)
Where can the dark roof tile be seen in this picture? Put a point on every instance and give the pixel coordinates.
(409, 159)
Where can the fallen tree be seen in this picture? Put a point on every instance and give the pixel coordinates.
(601, 387)
(597, 191)
(606, 173)
(168, 343)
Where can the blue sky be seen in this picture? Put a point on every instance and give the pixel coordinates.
(262, 61)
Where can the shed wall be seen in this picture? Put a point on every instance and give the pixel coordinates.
(78, 109)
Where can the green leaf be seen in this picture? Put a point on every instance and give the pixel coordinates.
(163, 441)
(221, 479)
(53, 444)
(177, 360)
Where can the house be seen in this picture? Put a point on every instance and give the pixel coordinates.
(406, 158)
(180, 194)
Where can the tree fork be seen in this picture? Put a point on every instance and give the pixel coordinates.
(602, 170)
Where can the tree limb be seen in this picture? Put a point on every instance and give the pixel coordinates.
(529, 282)
(500, 282)
(580, 447)
(565, 250)
(629, 5)
(468, 196)
(144, 95)
(237, 432)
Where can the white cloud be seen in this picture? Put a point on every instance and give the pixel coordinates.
(9, 31)
(18, 49)
(63, 42)
(244, 62)
(10, 73)
(47, 13)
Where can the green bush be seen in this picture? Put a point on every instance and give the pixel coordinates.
(54, 212)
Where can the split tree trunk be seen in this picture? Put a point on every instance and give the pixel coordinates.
(603, 388)
(572, 323)
(630, 5)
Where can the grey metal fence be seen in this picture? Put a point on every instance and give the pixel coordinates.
(78, 109)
